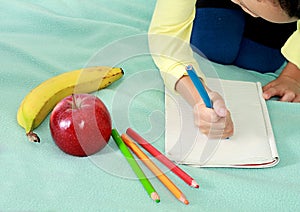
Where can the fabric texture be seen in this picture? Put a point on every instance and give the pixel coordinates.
(41, 39)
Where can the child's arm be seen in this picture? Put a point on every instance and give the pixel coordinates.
(286, 86)
(216, 122)
(169, 35)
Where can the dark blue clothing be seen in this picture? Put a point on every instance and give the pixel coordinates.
(225, 34)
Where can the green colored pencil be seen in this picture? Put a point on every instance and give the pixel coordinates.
(135, 166)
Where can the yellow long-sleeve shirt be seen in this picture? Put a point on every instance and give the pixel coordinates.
(169, 38)
(291, 49)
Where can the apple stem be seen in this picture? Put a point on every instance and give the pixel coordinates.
(74, 106)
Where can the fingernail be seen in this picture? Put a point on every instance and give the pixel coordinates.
(266, 96)
(222, 112)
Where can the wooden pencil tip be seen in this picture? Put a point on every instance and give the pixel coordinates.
(155, 197)
(194, 184)
(183, 199)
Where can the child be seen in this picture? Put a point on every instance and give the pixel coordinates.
(227, 35)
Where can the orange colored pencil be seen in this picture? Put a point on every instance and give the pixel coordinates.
(155, 170)
(162, 158)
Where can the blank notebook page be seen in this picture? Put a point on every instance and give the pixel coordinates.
(252, 143)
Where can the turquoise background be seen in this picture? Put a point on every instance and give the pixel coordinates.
(41, 39)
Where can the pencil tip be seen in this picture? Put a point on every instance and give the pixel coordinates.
(155, 197)
(183, 199)
(194, 184)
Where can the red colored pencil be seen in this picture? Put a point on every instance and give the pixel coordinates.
(162, 158)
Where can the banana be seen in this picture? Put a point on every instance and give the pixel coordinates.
(41, 100)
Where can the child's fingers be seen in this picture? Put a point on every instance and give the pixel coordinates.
(218, 104)
(285, 95)
(202, 113)
(270, 92)
(267, 86)
(297, 98)
(223, 128)
(214, 122)
(288, 96)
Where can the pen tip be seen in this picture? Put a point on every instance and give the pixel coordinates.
(186, 202)
(189, 67)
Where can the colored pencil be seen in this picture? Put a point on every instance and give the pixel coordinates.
(162, 158)
(135, 167)
(155, 170)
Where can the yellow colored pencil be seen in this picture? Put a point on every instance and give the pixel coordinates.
(155, 170)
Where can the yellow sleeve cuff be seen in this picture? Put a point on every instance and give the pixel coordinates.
(171, 76)
(291, 49)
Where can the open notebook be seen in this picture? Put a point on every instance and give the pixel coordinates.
(251, 146)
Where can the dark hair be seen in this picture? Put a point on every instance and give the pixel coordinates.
(292, 7)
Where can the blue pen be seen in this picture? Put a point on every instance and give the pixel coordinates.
(199, 86)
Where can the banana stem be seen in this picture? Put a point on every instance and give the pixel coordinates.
(33, 137)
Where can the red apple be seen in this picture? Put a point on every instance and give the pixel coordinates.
(80, 124)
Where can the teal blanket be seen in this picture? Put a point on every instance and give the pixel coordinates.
(41, 39)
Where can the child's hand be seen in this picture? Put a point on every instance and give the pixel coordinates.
(216, 122)
(286, 86)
